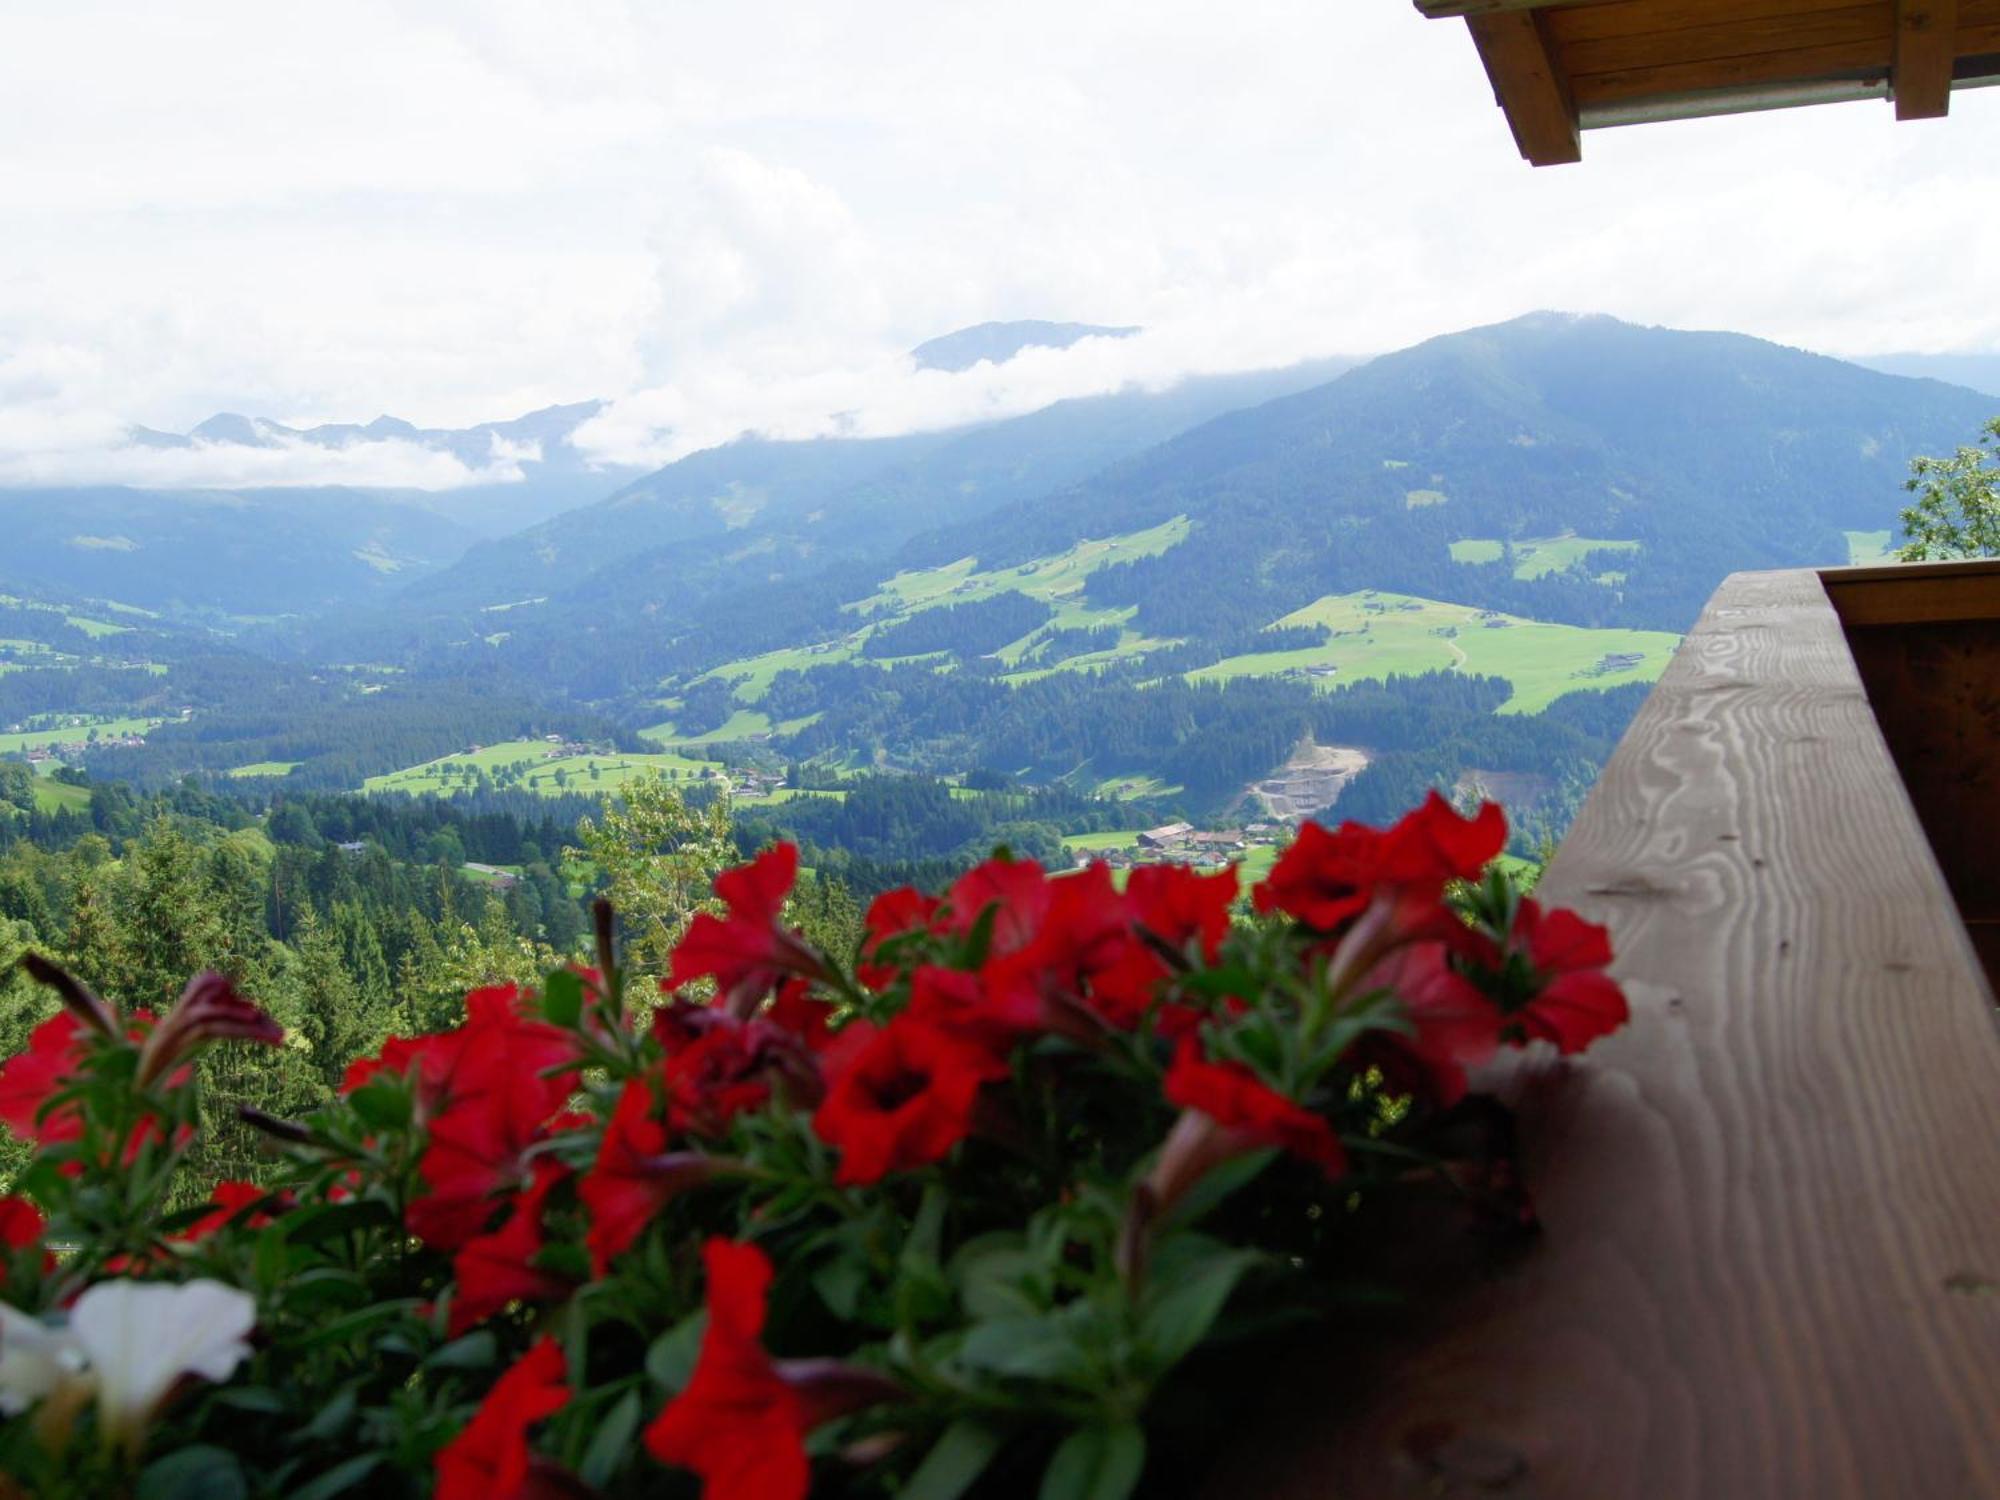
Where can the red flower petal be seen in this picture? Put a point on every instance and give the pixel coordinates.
(490, 1460)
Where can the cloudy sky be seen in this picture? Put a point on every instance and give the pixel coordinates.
(738, 216)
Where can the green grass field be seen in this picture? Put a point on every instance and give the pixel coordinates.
(1057, 580)
(95, 629)
(1478, 550)
(265, 768)
(1093, 843)
(53, 796)
(1132, 788)
(34, 739)
(1047, 578)
(1864, 547)
(1538, 557)
(1377, 635)
(743, 724)
(451, 773)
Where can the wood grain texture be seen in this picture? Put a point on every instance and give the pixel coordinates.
(1935, 688)
(1860, 57)
(1771, 1265)
(1914, 593)
(1531, 87)
(1926, 48)
(1738, 36)
(1441, 9)
(1630, 18)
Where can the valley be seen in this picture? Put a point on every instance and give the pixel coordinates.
(1462, 563)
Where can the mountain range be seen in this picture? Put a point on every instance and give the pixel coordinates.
(1538, 507)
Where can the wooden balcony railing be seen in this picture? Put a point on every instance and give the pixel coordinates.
(1771, 1265)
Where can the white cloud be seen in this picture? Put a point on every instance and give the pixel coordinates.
(739, 217)
(283, 464)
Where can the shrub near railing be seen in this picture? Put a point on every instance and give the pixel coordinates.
(952, 1216)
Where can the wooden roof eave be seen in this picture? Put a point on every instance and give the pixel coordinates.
(1559, 67)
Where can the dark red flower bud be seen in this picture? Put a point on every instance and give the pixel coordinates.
(209, 1010)
(84, 1003)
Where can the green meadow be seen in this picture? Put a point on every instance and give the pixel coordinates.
(35, 739)
(265, 768)
(53, 796)
(1865, 547)
(526, 764)
(1377, 635)
(1540, 556)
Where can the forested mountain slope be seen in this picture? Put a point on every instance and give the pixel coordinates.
(1713, 452)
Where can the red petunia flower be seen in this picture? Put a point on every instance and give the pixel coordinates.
(1575, 1002)
(1325, 880)
(963, 1005)
(634, 1176)
(1085, 936)
(490, 1459)
(1245, 1106)
(21, 1223)
(742, 1420)
(1018, 892)
(901, 1097)
(55, 1051)
(800, 1014)
(490, 1089)
(1178, 908)
(747, 952)
(21, 1227)
(495, 1269)
(498, 1048)
(1455, 1026)
(892, 914)
(713, 1079)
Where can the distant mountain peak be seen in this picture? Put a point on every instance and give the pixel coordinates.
(1000, 342)
(229, 427)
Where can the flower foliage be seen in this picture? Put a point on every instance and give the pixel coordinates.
(952, 1209)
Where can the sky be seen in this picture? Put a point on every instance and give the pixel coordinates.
(739, 217)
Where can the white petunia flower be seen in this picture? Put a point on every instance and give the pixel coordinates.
(142, 1337)
(34, 1360)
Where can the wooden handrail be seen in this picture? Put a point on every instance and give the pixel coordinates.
(1771, 1265)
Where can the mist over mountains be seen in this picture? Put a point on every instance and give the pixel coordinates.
(1703, 452)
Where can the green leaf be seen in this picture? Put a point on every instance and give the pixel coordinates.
(1099, 1462)
(1182, 1308)
(251, 1398)
(385, 1104)
(839, 1284)
(331, 1417)
(1220, 1182)
(611, 1442)
(995, 1275)
(309, 1226)
(956, 1459)
(562, 998)
(1035, 1348)
(670, 1361)
(198, 1473)
(473, 1352)
(337, 1480)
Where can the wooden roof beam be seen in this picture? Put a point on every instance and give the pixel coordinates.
(1530, 84)
(1439, 8)
(1925, 53)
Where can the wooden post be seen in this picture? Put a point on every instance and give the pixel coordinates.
(1530, 84)
(1925, 50)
